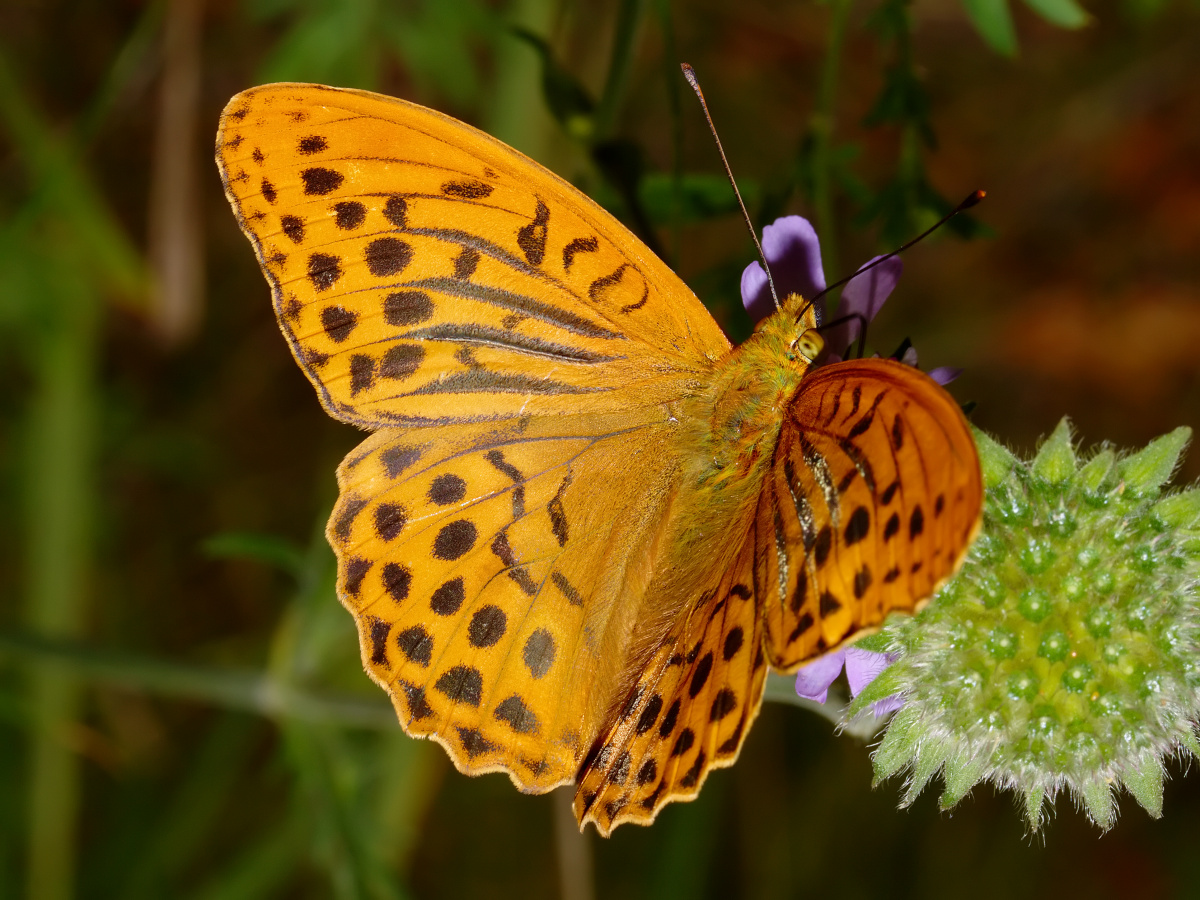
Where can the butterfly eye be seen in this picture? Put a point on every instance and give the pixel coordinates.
(810, 344)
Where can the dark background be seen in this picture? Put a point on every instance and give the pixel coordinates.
(182, 712)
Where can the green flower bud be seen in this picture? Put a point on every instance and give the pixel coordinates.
(1065, 655)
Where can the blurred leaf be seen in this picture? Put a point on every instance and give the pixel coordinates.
(568, 100)
(330, 41)
(437, 42)
(271, 549)
(993, 20)
(620, 63)
(701, 197)
(64, 189)
(190, 817)
(903, 100)
(1063, 13)
(623, 162)
(331, 777)
(264, 867)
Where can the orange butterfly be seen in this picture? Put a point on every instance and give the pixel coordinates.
(583, 525)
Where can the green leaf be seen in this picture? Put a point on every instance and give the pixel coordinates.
(1180, 510)
(1098, 800)
(1063, 13)
(995, 459)
(1033, 806)
(568, 100)
(1055, 460)
(898, 745)
(929, 760)
(962, 773)
(1152, 467)
(266, 548)
(1146, 786)
(1097, 470)
(701, 197)
(993, 20)
(888, 682)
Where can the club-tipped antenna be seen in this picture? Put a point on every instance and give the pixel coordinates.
(971, 199)
(690, 74)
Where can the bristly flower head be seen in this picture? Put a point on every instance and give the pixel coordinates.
(1066, 652)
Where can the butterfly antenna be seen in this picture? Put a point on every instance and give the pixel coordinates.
(971, 199)
(690, 74)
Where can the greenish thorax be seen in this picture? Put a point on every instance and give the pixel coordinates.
(739, 416)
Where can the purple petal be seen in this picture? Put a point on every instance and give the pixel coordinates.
(794, 254)
(814, 679)
(910, 357)
(887, 705)
(862, 667)
(865, 295)
(756, 295)
(944, 374)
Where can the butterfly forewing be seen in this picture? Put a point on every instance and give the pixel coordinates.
(874, 497)
(423, 271)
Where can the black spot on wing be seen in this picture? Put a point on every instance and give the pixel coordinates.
(407, 308)
(314, 143)
(531, 238)
(349, 214)
(519, 716)
(577, 246)
(467, 189)
(320, 181)
(461, 684)
(416, 644)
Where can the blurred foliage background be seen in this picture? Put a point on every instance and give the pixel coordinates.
(182, 711)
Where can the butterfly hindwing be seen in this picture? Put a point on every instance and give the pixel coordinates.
(424, 272)
(688, 712)
(482, 573)
(874, 497)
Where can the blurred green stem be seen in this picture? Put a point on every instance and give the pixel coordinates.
(230, 688)
(822, 130)
(673, 78)
(629, 19)
(516, 114)
(59, 511)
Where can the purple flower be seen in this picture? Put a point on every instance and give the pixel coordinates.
(862, 667)
(794, 254)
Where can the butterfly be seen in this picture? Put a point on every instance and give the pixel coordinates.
(583, 525)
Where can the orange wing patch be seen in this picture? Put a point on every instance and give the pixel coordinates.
(687, 714)
(482, 575)
(874, 498)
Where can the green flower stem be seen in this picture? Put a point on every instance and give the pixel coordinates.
(60, 490)
(620, 65)
(246, 690)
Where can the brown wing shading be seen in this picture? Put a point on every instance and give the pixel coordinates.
(874, 498)
(689, 711)
(424, 272)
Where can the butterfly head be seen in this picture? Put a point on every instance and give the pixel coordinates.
(791, 331)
